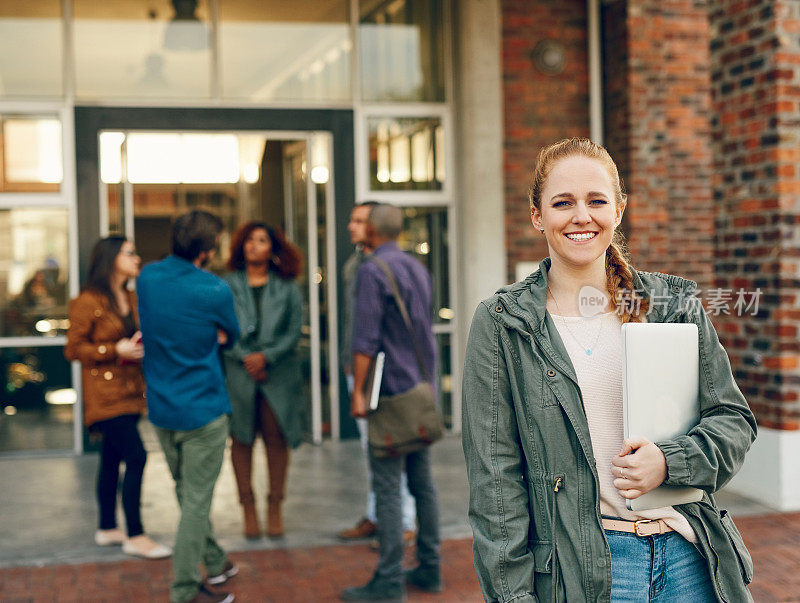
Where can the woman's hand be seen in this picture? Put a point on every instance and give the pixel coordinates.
(256, 366)
(130, 349)
(639, 467)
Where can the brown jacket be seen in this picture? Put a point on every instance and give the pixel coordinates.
(111, 387)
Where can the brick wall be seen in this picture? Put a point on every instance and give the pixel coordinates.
(756, 139)
(539, 108)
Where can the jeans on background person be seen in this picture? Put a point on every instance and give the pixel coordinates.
(121, 443)
(386, 477)
(194, 459)
(409, 508)
(665, 568)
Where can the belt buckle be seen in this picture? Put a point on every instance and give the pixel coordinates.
(644, 521)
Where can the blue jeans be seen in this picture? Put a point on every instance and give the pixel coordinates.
(662, 568)
(386, 473)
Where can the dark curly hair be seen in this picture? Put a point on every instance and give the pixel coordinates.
(286, 260)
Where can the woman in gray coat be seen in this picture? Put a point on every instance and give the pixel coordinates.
(262, 368)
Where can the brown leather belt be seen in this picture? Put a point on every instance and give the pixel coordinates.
(640, 527)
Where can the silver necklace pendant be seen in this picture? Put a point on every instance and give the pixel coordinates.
(588, 352)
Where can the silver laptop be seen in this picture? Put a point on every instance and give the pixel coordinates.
(660, 387)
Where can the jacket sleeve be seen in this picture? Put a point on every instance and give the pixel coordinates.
(80, 345)
(286, 341)
(226, 316)
(713, 451)
(498, 501)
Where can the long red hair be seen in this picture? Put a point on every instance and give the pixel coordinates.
(286, 260)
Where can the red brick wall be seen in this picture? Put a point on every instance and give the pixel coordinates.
(756, 101)
(539, 108)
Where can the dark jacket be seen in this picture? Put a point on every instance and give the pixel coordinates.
(281, 313)
(525, 431)
(110, 387)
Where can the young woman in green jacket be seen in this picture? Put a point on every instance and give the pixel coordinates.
(548, 467)
(262, 369)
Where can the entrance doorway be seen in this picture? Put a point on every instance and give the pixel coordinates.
(284, 178)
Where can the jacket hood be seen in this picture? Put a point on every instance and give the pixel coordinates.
(525, 301)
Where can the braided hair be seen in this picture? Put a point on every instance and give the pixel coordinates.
(619, 274)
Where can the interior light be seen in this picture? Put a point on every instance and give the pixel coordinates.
(61, 397)
(383, 175)
(320, 174)
(250, 173)
(423, 248)
(446, 314)
(44, 326)
(10, 410)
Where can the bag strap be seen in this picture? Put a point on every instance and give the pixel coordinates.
(403, 312)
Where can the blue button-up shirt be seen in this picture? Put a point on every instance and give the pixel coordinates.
(180, 309)
(379, 325)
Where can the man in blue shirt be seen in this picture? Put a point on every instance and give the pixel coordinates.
(186, 314)
(380, 327)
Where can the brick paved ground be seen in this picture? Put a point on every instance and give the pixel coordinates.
(318, 574)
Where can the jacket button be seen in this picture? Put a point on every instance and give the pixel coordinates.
(551, 373)
(108, 375)
(94, 372)
(676, 288)
(498, 308)
(102, 349)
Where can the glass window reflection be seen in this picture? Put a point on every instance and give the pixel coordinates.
(37, 402)
(425, 235)
(401, 50)
(33, 272)
(30, 148)
(158, 49)
(406, 153)
(270, 50)
(31, 59)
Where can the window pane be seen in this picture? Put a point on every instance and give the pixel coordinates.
(157, 49)
(406, 153)
(401, 50)
(271, 50)
(31, 48)
(30, 148)
(33, 272)
(37, 400)
(426, 236)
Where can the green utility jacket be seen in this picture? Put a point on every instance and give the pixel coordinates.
(534, 491)
(281, 322)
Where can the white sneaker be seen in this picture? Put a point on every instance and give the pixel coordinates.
(109, 537)
(143, 546)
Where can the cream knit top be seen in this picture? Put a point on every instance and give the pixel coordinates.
(600, 379)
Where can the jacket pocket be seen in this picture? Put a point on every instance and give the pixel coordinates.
(742, 554)
(542, 551)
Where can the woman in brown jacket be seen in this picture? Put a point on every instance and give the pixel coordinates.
(104, 336)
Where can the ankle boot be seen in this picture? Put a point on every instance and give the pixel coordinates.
(274, 517)
(242, 458)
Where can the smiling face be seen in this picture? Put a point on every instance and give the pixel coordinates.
(257, 247)
(578, 211)
(127, 261)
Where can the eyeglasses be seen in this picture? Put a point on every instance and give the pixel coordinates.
(130, 253)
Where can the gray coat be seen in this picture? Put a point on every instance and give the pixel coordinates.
(534, 489)
(281, 320)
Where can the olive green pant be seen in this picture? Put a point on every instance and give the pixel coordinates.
(195, 459)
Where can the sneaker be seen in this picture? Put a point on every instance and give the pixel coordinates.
(409, 539)
(375, 590)
(145, 547)
(205, 595)
(428, 579)
(109, 537)
(228, 572)
(363, 529)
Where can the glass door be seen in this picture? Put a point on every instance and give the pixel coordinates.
(150, 178)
